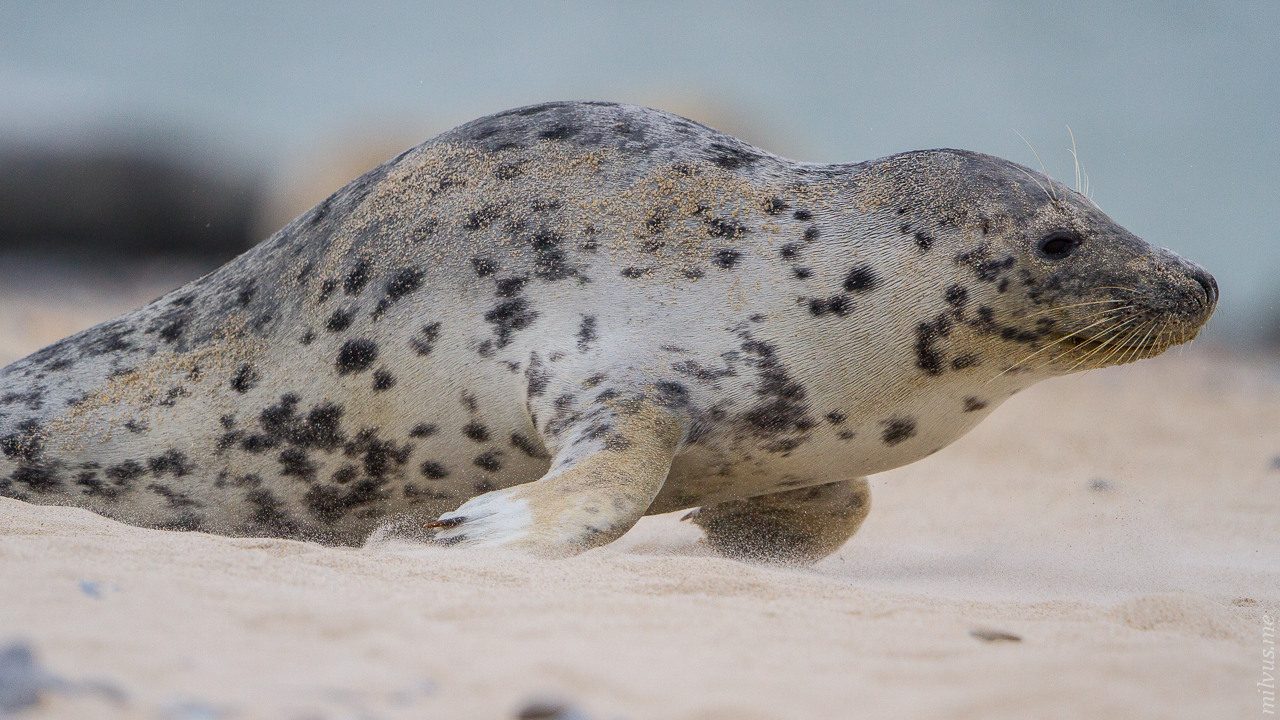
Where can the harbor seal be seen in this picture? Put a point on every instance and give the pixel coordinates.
(540, 326)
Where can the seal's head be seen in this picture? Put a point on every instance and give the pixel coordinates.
(1042, 268)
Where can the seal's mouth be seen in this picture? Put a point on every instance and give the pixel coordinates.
(1123, 342)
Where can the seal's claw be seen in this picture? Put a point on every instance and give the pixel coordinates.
(488, 520)
(691, 515)
(441, 523)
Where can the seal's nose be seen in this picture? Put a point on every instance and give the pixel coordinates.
(1208, 283)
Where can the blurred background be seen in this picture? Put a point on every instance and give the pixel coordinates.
(144, 143)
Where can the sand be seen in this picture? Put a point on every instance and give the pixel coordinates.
(1105, 546)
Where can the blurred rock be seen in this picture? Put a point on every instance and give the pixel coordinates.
(549, 708)
(121, 200)
(993, 635)
(23, 681)
(1101, 484)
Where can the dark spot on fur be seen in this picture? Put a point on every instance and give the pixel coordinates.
(537, 376)
(171, 330)
(326, 289)
(924, 241)
(33, 399)
(355, 280)
(325, 503)
(383, 380)
(245, 380)
(700, 373)
(726, 258)
(484, 266)
(108, 338)
(172, 462)
(527, 446)
(634, 273)
(481, 218)
(475, 431)
(510, 317)
(545, 240)
(550, 263)
(558, 132)
(405, 282)
(307, 337)
(586, 332)
(782, 416)
(340, 320)
(433, 470)
(836, 305)
(961, 362)
(790, 251)
(861, 278)
(174, 499)
(983, 266)
(295, 463)
(356, 356)
(510, 287)
(731, 157)
(802, 215)
(268, 512)
(722, 228)
(489, 461)
(835, 417)
(774, 206)
(125, 472)
(898, 430)
(973, 404)
(422, 430)
(928, 356)
(424, 341)
(957, 296)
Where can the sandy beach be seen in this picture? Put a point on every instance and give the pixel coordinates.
(1104, 546)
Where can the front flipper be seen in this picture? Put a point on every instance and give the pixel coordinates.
(612, 463)
(797, 526)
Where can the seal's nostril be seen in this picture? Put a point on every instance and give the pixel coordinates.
(1208, 283)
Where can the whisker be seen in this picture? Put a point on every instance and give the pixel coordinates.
(1076, 157)
(1132, 291)
(1121, 348)
(1109, 335)
(1052, 195)
(1103, 362)
(1075, 305)
(1137, 348)
(1053, 344)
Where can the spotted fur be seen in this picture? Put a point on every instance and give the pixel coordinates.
(639, 314)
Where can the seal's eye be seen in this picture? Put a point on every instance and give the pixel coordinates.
(1058, 245)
